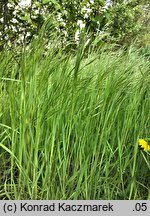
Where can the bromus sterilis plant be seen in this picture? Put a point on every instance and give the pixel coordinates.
(69, 124)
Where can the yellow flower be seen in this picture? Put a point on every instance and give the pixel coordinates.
(144, 145)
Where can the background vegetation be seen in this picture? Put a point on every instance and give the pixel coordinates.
(116, 21)
(73, 109)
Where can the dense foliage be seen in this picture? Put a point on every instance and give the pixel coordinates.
(71, 122)
(120, 22)
(129, 22)
(69, 126)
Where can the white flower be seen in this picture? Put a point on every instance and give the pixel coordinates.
(14, 20)
(14, 28)
(92, 1)
(1, 20)
(24, 3)
(108, 3)
(86, 9)
(86, 16)
(77, 34)
(80, 24)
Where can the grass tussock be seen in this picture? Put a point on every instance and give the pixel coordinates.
(69, 126)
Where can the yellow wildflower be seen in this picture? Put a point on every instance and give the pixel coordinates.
(144, 145)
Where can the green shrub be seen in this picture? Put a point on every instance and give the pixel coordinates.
(129, 23)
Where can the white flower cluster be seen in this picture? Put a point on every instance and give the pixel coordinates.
(24, 3)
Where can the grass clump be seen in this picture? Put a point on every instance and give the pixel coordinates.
(69, 126)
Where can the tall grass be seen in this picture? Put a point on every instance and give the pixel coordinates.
(69, 125)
